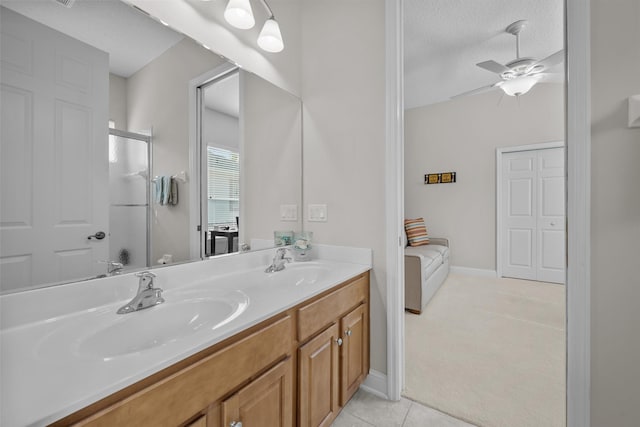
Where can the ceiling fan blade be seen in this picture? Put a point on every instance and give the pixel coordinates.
(493, 66)
(478, 90)
(550, 77)
(551, 60)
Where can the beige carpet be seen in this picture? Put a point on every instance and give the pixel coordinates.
(490, 352)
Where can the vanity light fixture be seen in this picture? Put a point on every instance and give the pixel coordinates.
(270, 38)
(239, 14)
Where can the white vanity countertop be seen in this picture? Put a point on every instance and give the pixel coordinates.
(46, 376)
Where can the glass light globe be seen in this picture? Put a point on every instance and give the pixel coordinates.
(238, 13)
(270, 38)
(519, 85)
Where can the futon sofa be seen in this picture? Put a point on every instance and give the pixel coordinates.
(426, 268)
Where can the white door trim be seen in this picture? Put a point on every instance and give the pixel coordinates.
(394, 183)
(578, 137)
(499, 219)
(196, 245)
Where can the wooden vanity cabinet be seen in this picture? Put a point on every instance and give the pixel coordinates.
(318, 379)
(354, 352)
(298, 368)
(333, 363)
(265, 402)
(196, 390)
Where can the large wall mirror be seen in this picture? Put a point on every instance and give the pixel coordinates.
(118, 131)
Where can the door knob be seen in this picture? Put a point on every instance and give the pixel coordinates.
(98, 236)
(553, 223)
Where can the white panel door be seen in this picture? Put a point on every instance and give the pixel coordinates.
(551, 216)
(519, 188)
(533, 212)
(54, 155)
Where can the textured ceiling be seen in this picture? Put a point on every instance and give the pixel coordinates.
(444, 39)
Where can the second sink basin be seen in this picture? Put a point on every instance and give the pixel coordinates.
(301, 273)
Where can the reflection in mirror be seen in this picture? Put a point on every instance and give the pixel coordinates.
(220, 142)
(79, 196)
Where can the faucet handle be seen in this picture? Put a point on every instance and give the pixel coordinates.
(145, 274)
(146, 280)
(113, 267)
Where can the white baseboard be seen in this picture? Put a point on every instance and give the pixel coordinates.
(376, 384)
(473, 271)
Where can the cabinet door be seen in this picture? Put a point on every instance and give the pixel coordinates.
(264, 402)
(200, 422)
(318, 379)
(354, 354)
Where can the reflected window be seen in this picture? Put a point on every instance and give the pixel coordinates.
(223, 186)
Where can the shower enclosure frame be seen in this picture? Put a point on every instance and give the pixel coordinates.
(147, 139)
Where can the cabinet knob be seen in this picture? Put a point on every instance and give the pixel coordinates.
(348, 332)
(235, 424)
(339, 341)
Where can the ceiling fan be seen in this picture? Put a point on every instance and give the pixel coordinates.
(521, 74)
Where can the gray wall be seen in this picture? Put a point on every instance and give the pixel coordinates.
(118, 101)
(462, 135)
(157, 98)
(343, 91)
(270, 157)
(615, 215)
(220, 130)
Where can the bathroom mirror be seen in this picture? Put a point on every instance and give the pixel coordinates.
(100, 105)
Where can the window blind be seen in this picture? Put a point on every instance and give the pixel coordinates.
(223, 186)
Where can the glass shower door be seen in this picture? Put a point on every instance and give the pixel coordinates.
(129, 189)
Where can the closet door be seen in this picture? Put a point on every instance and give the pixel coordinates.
(519, 191)
(533, 215)
(551, 216)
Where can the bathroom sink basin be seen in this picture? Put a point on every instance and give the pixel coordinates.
(302, 273)
(108, 335)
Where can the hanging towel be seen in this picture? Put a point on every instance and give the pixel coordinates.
(173, 191)
(157, 190)
(166, 189)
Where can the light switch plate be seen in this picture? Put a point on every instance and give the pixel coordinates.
(288, 212)
(318, 213)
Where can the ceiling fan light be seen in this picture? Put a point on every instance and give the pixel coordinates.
(518, 86)
(238, 13)
(270, 38)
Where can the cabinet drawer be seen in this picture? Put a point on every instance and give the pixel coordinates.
(180, 396)
(316, 316)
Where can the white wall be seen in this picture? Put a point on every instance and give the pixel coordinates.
(462, 135)
(118, 101)
(220, 130)
(158, 99)
(615, 215)
(270, 157)
(343, 92)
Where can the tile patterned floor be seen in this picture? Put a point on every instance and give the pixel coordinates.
(368, 410)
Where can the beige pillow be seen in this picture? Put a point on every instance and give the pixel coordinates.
(416, 232)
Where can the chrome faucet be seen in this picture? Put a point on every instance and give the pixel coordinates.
(113, 268)
(147, 295)
(278, 261)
